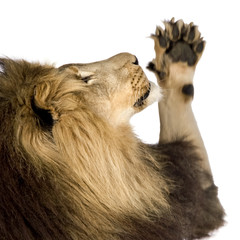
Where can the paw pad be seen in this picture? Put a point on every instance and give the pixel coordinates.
(180, 31)
(178, 42)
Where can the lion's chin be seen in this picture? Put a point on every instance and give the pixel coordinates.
(155, 94)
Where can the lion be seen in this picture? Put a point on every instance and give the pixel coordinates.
(71, 165)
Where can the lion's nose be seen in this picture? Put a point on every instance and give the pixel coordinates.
(122, 59)
(136, 61)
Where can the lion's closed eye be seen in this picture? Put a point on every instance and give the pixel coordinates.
(86, 79)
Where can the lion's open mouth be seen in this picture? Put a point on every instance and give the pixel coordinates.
(140, 101)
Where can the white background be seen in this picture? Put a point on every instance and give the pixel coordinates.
(83, 31)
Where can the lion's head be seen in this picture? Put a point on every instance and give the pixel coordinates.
(113, 89)
(116, 88)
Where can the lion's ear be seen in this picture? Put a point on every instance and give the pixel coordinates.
(44, 116)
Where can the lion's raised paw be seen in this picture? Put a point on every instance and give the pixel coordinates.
(178, 42)
(181, 41)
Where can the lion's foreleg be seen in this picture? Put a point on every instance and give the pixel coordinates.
(177, 120)
(178, 49)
